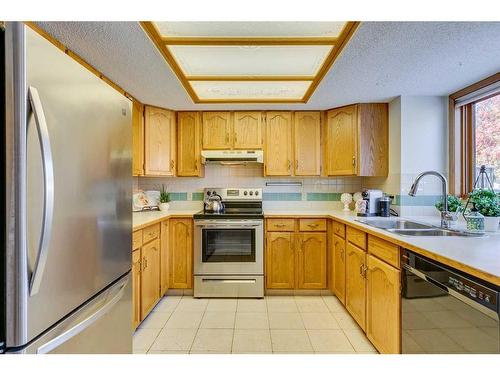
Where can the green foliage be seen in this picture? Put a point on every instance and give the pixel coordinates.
(164, 195)
(454, 204)
(486, 201)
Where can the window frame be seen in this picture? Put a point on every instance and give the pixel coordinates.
(461, 136)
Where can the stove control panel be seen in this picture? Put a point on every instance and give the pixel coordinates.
(235, 194)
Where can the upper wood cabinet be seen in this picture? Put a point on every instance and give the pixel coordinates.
(278, 144)
(150, 276)
(307, 143)
(280, 260)
(355, 288)
(189, 144)
(137, 139)
(311, 261)
(247, 130)
(217, 130)
(181, 253)
(383, 311)
(357, 140)
(160, 142)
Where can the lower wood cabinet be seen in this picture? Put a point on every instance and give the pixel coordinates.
(164, 261)
(280, 260)
(136, 288)
(383, 305)
(339, 256)
(355, 286)
(150, 276)
(311, 261)
(181, 253)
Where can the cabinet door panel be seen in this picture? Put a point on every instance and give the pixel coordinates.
(136, 288)
(280, 260)
(164, 245)
(355, 289)
(160, 142)
(150, 277)
(137, 139)
(383, 306)
(247, 130)
(339, 268)
(311, 261)
(189, 144)
(181, 253)
(278, 151)
(216, 130)
(342, 141)
(307, 141)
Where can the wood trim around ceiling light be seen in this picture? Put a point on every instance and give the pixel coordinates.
(154, 34)
(345, 36)
(337, 46)
(78, 59)
(245, 41)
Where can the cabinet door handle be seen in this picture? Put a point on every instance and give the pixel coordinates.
(172, 164)
(227, 138)
(296, 165)
(144, 263)
(354, 161)
(361, 270)
(235, 138)
(196, 165)
(289, 165)
(313, 225)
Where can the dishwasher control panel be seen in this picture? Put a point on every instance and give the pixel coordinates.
(479, 293)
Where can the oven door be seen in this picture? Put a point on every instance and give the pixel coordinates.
(229, 247)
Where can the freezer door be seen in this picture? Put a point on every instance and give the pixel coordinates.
(78, 191)
(103, 325)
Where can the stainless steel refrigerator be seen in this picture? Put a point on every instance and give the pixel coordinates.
(66, 254)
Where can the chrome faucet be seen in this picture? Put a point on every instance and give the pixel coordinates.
(446, 217)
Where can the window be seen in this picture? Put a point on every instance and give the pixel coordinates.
(486, 126)
(475, 135)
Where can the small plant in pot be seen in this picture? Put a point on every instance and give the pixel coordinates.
(487, 203)
(455, 206)
(164, 199)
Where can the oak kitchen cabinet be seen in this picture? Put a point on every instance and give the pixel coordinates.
(189, 145)
(338, 259)
(181, 253)
(307, 143)
(247, 130)
(357, 140)
(278, 144)
(150, 276)
(164, 256)
(355, 286)
(136, 287)
(160, 142)
(296, 252)
(217, 129)
(137, 139)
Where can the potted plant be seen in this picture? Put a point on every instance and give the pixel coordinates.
(454, 206)
(487, 203)
(164, 199)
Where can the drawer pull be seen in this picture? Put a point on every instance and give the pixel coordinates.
(313, 225)
(279, 225)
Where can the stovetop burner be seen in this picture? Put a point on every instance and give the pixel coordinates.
(239, 203)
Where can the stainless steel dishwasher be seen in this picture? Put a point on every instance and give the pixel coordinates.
(445, 310)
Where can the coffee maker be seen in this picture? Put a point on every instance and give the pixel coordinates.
(371, 196)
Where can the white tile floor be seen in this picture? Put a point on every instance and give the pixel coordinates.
(288, 324)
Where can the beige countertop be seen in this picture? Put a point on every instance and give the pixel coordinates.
(479, 256)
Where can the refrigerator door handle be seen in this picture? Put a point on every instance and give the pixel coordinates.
(48, 177)
(85, 323)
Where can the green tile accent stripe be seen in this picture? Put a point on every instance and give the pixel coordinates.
(197, 196)
(323, 196)
(178, 196)
(419, 200)
(282, 196)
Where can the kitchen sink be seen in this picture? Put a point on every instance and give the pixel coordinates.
(394, 224)
(434, 232)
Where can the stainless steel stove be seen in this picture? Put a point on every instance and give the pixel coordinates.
(229, 246)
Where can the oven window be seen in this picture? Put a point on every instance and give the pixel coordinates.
(228, 245)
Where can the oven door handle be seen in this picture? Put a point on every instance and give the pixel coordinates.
(236, 224)
(492, 314)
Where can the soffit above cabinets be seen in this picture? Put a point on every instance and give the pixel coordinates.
(250, 62)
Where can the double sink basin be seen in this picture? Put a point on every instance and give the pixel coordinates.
(411, 228)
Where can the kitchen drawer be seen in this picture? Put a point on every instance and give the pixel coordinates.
(356, 237)
(339, 229)
(136, 239)
(150, 233)
(312, 225)
(384, 250)
(280, 225)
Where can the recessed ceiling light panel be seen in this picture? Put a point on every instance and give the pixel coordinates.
(252, 90)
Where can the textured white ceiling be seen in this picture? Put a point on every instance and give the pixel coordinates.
(383, 60)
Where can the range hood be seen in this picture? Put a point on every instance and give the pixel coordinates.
(232, 157)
